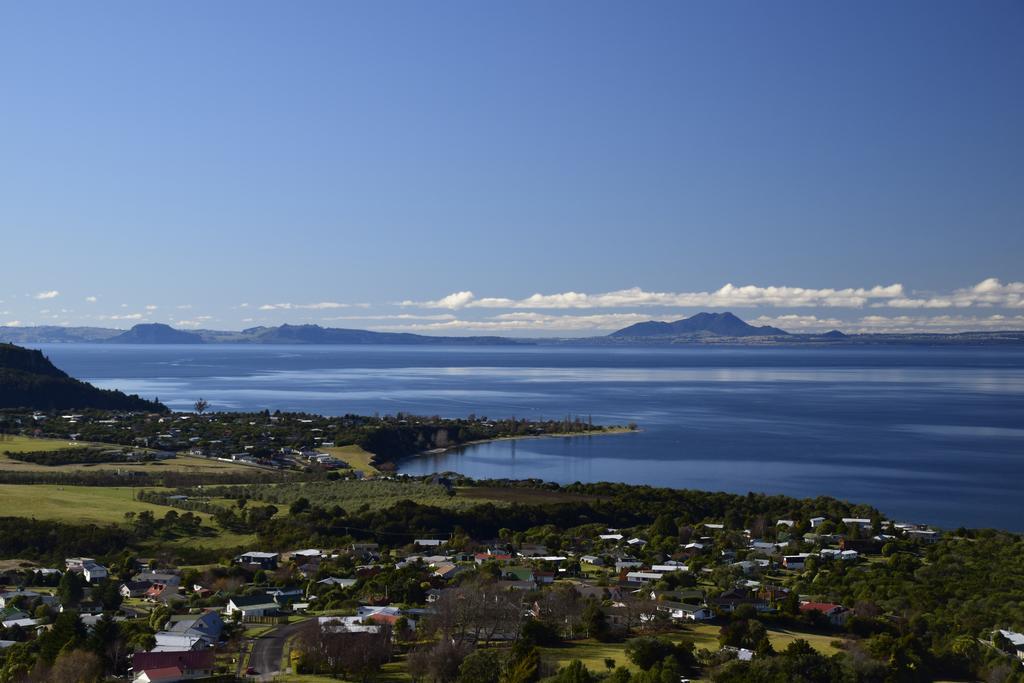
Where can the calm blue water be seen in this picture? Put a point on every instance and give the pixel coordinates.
(933, 435)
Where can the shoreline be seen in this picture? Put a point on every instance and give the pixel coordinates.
(553, 435)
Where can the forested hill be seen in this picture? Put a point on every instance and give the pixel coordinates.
(29, 380)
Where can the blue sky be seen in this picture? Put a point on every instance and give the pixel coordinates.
(370, 164)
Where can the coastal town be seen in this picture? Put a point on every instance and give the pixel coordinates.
(298, 554)
(207, 621)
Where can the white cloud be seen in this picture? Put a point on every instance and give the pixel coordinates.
(728, 296)
(126, 316)
(52, 294)
(453, 301)
(151, 307)
(198, 321)
(184, 307)
(792, 322)
(288, 307)
(12, 323)
(937, 324)
(987, 293)
(90, 299)
(398, 316)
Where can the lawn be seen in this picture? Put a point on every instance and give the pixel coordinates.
(27, 444)
(590, 652)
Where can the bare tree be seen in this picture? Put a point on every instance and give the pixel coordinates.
(477, 611)
(201, 405)
(354, 655)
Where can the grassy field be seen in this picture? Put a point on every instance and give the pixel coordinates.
(593, 653)
(354, 495)
(96, 505)
(355, 456)
(26, 444)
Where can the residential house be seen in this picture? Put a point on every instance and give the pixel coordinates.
(680, 611)
(728, 601)
(167, 667)
(251, 606)
(258, 559)
(795, 561)
(862, 523)
(517, 574)
(208, 625)
(1016, 640)
(347, 625)
(336, 581)
(642, 577)
(285, 596)
(8, 598)
(480, 558)
(837, 614)
(134, 589)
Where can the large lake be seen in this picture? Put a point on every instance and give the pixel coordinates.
(925, 434)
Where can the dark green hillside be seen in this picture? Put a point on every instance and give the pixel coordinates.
(29, 380)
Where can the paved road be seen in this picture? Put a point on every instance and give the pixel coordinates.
(268, 650)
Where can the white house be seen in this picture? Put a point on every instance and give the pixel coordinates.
(251, 606)
(93, 572)
(816, 522)
(679, 611)
(643, 577)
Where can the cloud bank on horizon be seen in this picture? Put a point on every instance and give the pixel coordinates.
(989, 292)
(987, 305)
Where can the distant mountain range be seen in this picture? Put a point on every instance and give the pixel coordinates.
(158, 333)
(713, 324)
(29, 380)
(702, 328)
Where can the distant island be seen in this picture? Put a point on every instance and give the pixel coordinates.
(713, 324)
(700, 329)
(29, 380)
